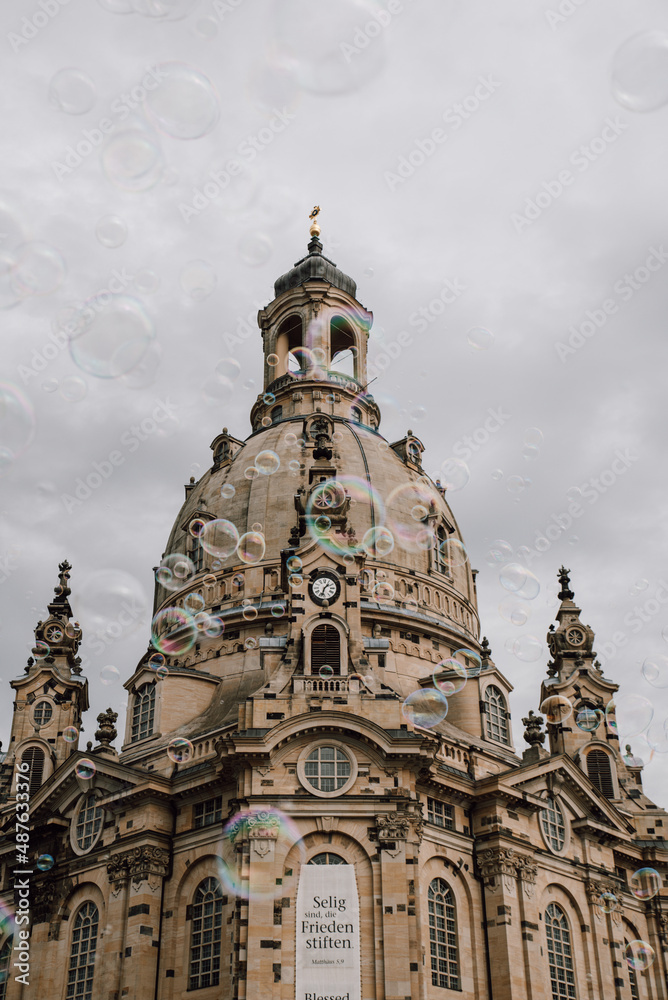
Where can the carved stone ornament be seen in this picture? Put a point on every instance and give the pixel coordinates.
(498, 867)
(139, 864)
(527, 870)
(595, 893)
(391, 828)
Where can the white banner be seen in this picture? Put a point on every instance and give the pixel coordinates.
(327, 952)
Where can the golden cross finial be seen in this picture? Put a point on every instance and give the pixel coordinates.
(315, 228)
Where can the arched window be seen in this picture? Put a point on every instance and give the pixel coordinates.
(495, 708)
(42, 713)
(343, 348)
(553, 824)
(289, 342)
(5, 955)
(89, 821)
(633, 979)
(82, 954)
(327, 858)
(276, 414)
(325, 649)
(327, 769)
(206, 934)
(34, 758)
(443, 936)
(559, 955)
(143, 712)
(356, 414)
(599, 773)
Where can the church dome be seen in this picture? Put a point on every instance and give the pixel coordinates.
(314, 265)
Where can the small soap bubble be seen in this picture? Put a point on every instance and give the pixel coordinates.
(44, 863)
(111, 231)
(132, 159)
(180, 750)
(608, 902)
(326, 671)
(450, 676)
(249, 613)
(277, 610)
(519, 580)
(219, 538)
(295, 580)
(85, 769)
(70, 734)
(252, 472)
(173, 631)
(655, 670)
(227, 491)
(588, 719)
(146, 281)
(455, 474)
(556, 708)
(293, 564)
(50, 384)
(41, 649)
(500, 552)
(39, 269)
(73, 388)
(251, 547)
(639, 955)
(196, 527)
(497, 475)
(272, 360)
(184, 105)
(109, 674)
(267, 462)
(426, 707)
(72, 92)
(645, 883)
(156, 660)
(528, 648)
(193, 603)
(250, 642)
(640, 71)
(480, 339)
(198, 279)
(255, 249)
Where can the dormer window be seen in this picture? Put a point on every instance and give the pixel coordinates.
(143, 712)
(276, 414)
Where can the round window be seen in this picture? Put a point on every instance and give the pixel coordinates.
(42, 713)
(326, 770)
(87, 824)
(553, 826)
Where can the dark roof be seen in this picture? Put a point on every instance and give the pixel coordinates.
(314, 265)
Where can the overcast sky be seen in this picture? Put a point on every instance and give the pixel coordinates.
(499, 167)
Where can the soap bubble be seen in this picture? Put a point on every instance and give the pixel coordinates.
(265, 825)
(44, 863)
(514, 611)
(39, 269)
(156, 661)
(255, 249)
(184, 105)
(109, 674)
(198, 279)
(193, 603)
(227, 491)
(499, 552)
(480, 339)
(588, 719)
(425, 707)
(608, 902)
(450, 676)
(325, 671)
(378, 542)
(628, 715)
(72, 91)
(640, 71)
(249, 613)
(219, 538)
(132, 159)
(528, 648)
(17, 423)
(85, 769)
(519, 580)
(639, 955)
(70, 734)
(455, 474)
(533, 436)
(267, 462)
(180, 750)
(173, 631)
(174, 571)
(73, 388)
(655, 670)
(293, 564)
(109, 335)
(111, 231)
(556, 709)
(277, 610)
(645, 883)
(251, 547)
(102, 600)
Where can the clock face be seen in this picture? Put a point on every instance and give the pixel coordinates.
(324, 588)
(575, 636)
(54, 633)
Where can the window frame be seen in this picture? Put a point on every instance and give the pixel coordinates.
(43, 701)
(487, 700)
(218, 904)
(5, 958)
(216, 812)
(97, 831)
(449, 903)
(565, 939)
(557, 807)
(310, 749)
(152, 712)
(85, 995)
(35, 748)
(611, 770)
(448, 814)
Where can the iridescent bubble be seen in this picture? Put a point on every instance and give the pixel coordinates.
(250, 642)
(268, 399)
(228, 368)
(251, 472)
(17, 423)
(173, 631)
(50, 385)
(102, 601)
(272, 361)
(425, 707)
(41, 650)
(270, 826)
(198, 279)
(44, 863)
(251, 547)
(111, 231)
(528, 648)
(227, 491)
(409, 533)
(455, 474)
(628, 715)
(383, 591)
(132, 159)
(326, 671)
(500, 551)
(645, 883)
(249, 613)
(450, 676)
(255, 249)
(110, 335)
(39, 269)
(295, 580)
(156, 660)
(519, 580)
(70, 734)
(328, 69)
(180, 750)
(267, 462)
(238, 581)
(657, 736)
(639, 955)
(290, 439)
(72, 91)
(214, 627)
(655, 670)
(419, 512)
(209, 581)
(480, 339)
(146, 281)
(219, 538)
(516, 484)
(109, 674)
(556, 708)
(588, 719)
(497, 475)
(85, 769)
(322, 523)
(196, 527)
(530, 452)
(294, 465)
(73, 388)
(193, 603)
(184, 105)
(514, 611)
(607, 902)
(293, 564)
(378, 542)
(640, 71)
(256, 526)
(533, 436)
(175, 570)
(277, 610)
(453, 554)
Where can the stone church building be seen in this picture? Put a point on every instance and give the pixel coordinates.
(291, 813)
